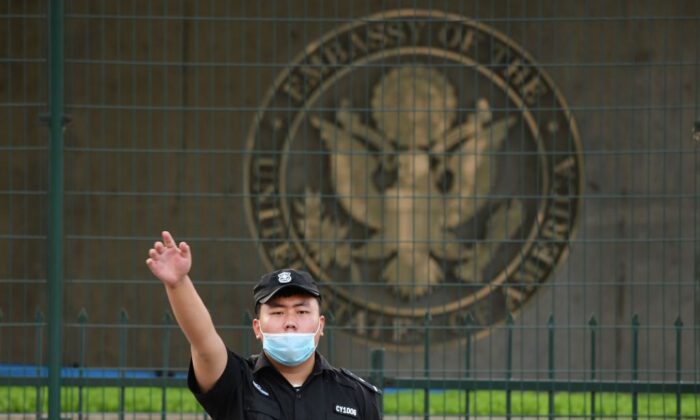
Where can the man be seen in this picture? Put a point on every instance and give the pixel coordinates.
(289, 379)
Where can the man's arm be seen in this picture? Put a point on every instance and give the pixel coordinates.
(171, 265)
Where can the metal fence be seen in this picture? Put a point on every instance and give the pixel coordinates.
(494, 195)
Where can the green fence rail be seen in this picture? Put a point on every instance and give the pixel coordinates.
(469, 380)
(551, 385)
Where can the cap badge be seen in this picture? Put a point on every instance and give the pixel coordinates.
(284, 277)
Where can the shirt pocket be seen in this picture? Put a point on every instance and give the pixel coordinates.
(335, 416)
(258, 407)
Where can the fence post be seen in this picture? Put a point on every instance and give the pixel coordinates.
(123, 321)
(377, 373)
(593, 325)
(1, 328)
(247, 321)
(679, 329)
(467, 361)
(167, 321)
(509, 361)
(329, 336)
(426, 365)
(550, 351)
(55, 207)
(39, 322)
(1, 319)
(82, 321)
(635, 364)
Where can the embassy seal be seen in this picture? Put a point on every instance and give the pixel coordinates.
(419, 164)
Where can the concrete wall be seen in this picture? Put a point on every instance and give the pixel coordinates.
(162, 96)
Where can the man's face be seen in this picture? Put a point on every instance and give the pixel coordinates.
(290, 314)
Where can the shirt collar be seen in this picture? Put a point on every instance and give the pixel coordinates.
(320, 363)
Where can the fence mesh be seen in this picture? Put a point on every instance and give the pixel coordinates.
(487, 190)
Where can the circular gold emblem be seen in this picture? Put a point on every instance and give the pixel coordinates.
(415, 162)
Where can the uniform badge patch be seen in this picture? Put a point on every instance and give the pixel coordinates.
(284, 277)
(346, 411)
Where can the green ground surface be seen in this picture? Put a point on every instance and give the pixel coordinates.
(406, 402)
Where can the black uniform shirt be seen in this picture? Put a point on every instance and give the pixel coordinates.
(252, 389)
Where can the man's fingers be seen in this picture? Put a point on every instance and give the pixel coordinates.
(152, 253)
(168, 239)
(184, 248)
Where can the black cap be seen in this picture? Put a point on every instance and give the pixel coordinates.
(273, 282)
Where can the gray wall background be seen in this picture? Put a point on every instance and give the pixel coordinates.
(161, 96)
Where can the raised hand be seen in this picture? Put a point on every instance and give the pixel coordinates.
(168, 262)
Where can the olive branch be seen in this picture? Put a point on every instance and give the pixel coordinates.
(324, 237)
(500, 227)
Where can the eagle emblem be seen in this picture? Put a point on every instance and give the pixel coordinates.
(416, 177)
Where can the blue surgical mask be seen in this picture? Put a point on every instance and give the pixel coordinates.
(290, 349)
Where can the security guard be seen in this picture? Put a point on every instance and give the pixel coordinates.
(289, 379)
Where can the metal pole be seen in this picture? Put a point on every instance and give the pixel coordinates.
(593, 324)
(467, 361)
(123, 337)
(679, 329)
(509, 363)
(635, 366)
(39, 322)
(167, 322)
(247, 322)
(550, 356)
(426, 364)
(377, 374)
(82, 320)
(55, 204)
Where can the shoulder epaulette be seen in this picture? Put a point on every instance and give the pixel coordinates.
(361, 381)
